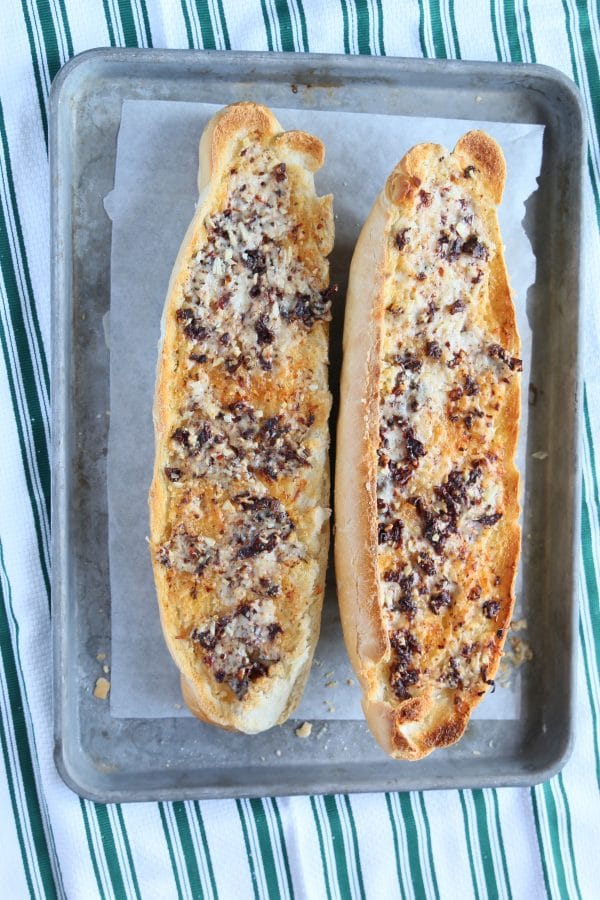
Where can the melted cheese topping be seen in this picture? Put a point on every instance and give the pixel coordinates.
(439, 487)
(246, 453)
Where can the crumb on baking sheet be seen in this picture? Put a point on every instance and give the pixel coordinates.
(516, 653)
(518, 625)
(350, 682)
(520, 651)
(540, 454)
(102, 688)
(278, 753)
(101, 657)
(106, 669)
(331, 684)
(304, 730)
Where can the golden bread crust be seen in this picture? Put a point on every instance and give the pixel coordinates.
(238, 501)
(427, 535)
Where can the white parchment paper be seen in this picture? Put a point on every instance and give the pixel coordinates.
(151, 205)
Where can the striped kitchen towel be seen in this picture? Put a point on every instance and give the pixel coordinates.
(452, 844)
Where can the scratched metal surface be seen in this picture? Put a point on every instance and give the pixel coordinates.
(112, 759)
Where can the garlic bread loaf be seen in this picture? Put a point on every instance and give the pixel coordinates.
(238, 502)
(426, 501)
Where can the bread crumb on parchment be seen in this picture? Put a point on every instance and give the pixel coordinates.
(516, 653)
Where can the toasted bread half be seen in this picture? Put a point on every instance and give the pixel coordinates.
(426, 499)
(238, 502)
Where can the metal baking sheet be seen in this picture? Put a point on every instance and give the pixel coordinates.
(116, 759)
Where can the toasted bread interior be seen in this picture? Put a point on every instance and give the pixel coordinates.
(238, 502)
(427, 533)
